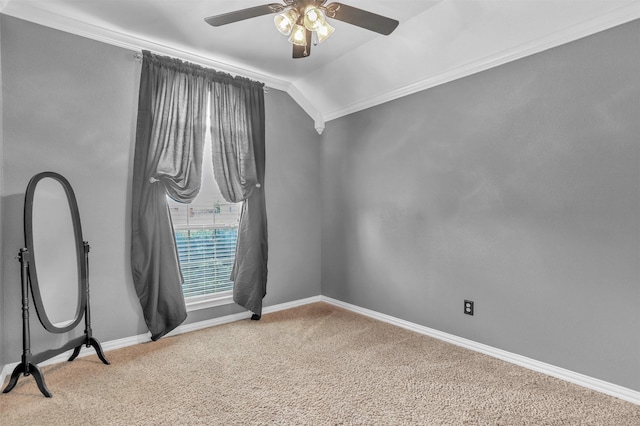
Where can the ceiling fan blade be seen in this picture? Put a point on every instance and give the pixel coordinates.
(241, 15)
(303, 51)
(361, 18)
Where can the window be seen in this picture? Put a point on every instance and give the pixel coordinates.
(206, 232)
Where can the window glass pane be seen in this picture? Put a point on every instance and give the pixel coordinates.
(206, 258)
(206, 232)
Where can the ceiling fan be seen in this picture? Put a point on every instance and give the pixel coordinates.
(304, 21)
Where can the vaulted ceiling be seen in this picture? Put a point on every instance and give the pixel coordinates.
(437, 41)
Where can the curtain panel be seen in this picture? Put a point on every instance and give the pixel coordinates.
(238, 138)
(168, 161)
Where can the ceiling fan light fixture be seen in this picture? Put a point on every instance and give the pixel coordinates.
(313, 18)
(286, 20)
(324, 31)
(304, 22)
(298, 35)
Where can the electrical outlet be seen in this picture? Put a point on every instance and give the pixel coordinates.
(468, 307)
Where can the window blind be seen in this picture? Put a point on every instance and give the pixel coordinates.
(206, 257)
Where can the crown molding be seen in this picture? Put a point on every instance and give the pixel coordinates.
(589, 27)
(32, 13)
(307, 106)
(127, 41)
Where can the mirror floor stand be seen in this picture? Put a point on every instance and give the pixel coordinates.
(29, 364)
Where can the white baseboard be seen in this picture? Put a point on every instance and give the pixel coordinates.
(289, 305)
(541, 367)
(146, 337)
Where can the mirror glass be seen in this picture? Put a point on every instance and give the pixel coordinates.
(54, 252)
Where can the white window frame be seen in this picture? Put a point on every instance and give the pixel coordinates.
(204, 301)
(195, 303)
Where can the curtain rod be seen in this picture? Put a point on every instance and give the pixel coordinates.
(138, 57)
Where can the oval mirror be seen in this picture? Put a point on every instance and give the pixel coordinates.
(57, 267)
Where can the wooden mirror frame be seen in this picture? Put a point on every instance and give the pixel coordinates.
(29, 278)
(79, 245)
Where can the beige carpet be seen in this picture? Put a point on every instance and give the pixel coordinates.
(313, 365)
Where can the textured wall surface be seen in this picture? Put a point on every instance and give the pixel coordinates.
(517, 188)
(70, 106)
(2, 330)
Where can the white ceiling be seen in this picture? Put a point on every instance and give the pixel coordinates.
(437, 41)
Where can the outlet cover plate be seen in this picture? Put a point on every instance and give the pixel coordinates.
(468, 307)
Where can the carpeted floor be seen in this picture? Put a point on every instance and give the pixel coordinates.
(312, 365)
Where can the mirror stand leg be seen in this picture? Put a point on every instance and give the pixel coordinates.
(39, 378)
(96, 345)
(75, 353)
(14, 377)
(27, 369)
(91, 341)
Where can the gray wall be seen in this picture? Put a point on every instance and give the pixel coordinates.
(517, 188)
(70, 106)
(2, 330)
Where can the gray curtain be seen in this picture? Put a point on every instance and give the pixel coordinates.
(238, 139)
(168, 160)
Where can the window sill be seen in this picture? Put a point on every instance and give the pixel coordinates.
(209, 300)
